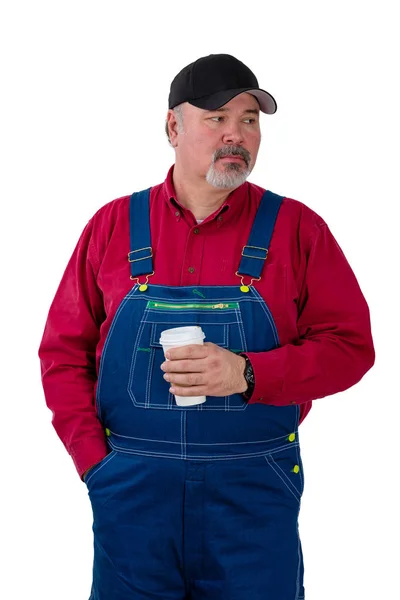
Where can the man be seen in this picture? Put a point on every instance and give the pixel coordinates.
(201, 503)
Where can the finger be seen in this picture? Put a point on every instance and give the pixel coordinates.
(194, 390)
(187, 352)
(185, 379)
(184, 366)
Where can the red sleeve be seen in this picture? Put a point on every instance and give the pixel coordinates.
(67, 355)
(335, 347)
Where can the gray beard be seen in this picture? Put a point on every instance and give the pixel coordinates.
(232, 177)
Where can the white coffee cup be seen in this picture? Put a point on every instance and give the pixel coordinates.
(183, 336)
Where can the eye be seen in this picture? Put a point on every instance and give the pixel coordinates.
(251, 121)
(216, 119)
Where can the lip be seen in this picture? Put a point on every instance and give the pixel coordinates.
(232, 158)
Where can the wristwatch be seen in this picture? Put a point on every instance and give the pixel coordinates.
(249, 377)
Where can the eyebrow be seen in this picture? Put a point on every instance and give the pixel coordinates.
(253, 111)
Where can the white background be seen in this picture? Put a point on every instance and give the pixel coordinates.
(83, 102)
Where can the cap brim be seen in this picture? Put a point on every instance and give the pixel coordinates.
(213, 101)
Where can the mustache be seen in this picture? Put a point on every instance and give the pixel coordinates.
(233, 151)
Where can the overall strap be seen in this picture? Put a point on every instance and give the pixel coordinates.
(255, 252)
(140, 256)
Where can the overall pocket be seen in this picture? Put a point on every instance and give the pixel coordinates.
(101, 467)
(286, 471)
(107, 480)
(222, 325)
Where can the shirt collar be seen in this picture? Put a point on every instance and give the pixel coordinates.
(232, 206)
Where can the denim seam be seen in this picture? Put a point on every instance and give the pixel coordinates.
(183, 435)
(149, 379)
(298, 565)
(242, 332)
(112, 455)
(281, 474)
(222, 298)
(133, 361)
(104, 351)
(194, 457)
(184, 455)
(244, 344)
(298, 448)
(266, 310)
(283, 437)
(226, 312)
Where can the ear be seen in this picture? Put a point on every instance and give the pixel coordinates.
(172, 125)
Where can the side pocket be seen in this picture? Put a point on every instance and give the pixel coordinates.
(103, 464)
(289, 471)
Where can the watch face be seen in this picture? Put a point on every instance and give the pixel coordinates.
(249, 374)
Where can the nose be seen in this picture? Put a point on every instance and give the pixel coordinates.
(233, 135)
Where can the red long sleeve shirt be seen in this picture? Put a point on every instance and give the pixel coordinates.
(319, 310)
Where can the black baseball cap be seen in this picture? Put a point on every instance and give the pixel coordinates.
(212, 81)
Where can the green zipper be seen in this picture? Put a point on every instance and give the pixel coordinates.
(220, 305)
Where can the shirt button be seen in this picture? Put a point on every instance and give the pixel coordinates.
(219, 218)
(191, 269)
(195, 230)
(177, 213)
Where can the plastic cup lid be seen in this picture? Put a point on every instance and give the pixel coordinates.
(181, 334)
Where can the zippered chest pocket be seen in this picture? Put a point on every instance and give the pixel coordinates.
(222, 325)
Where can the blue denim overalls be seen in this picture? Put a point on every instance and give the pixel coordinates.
(197, 503)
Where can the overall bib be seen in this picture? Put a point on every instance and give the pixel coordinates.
(196, 503)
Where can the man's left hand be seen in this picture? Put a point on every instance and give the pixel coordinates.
(204, 370)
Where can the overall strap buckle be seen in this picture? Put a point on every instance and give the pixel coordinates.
(150, 255)
(254, 250)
